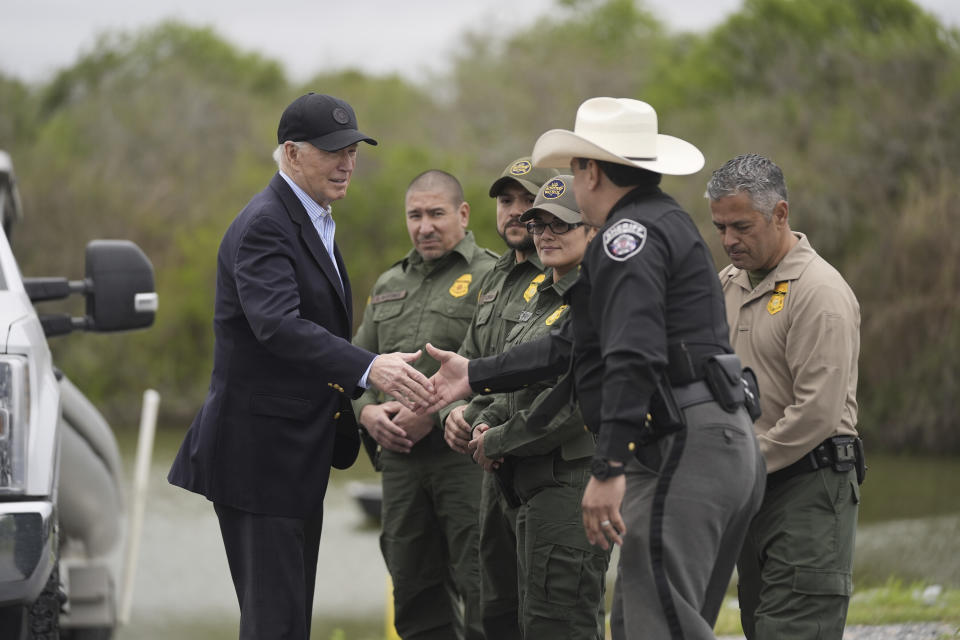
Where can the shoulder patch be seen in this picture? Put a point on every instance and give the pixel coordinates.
(388, 296)
(624, 240)
(460, 287)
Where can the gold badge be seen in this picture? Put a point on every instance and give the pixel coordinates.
(555, 315)
(775, 305)
(532, 288)
(460, 287)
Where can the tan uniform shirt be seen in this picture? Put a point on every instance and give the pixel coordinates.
(799, 330)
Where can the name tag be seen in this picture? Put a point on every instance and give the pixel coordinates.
(388, 296)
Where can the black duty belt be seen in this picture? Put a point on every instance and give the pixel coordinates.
(841, 453)
(694, 393)
(685, 361)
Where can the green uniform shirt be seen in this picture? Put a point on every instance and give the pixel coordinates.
(507, 413)
(504, 293)
(417, 301)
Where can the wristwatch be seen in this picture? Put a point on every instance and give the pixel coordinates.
(601, 469)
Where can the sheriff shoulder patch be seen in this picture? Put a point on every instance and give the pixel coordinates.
(624, 239)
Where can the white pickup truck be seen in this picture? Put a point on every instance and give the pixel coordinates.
(63, 523)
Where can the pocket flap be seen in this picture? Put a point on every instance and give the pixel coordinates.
(386, 310)
(263, 404)
(816, 582)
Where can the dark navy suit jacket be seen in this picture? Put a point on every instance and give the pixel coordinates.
(284, 369)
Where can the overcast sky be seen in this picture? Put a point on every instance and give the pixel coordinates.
(39, 37)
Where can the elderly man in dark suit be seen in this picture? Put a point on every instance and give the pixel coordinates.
(278, 413)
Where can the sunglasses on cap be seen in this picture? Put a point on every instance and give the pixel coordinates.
(558, 227)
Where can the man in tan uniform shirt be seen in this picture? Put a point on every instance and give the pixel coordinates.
(793, 320)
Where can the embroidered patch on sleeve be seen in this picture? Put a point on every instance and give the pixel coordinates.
(624, 239)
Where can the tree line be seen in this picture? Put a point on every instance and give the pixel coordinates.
(162, 135)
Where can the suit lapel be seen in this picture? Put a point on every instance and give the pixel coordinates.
(347, 293)
(310, 237)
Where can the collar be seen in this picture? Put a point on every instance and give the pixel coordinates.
(509, 260)
(466, 249)
(789, 268)
(562, 285)
(637, 193)
(314, 210)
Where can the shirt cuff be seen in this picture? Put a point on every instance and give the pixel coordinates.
(616, 443)
(493, 442)
(366, 374)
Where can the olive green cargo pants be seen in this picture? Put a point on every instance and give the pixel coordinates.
(498, 564)
(796, 567)
(562, 576)
(429, 541)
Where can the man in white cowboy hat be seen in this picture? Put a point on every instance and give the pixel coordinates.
(677, 473)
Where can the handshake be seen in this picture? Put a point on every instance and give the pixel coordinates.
(399, 424)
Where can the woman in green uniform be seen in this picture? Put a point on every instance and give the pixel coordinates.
(547, 466)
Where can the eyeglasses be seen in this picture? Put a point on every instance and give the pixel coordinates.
(558, 227)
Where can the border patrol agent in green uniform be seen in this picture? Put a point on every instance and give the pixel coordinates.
(504, 292)
(795, 321)
(430, 493)
(562, 577)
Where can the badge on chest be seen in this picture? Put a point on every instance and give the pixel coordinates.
(775, 304)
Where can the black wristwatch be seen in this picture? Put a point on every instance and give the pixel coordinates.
(601, 469)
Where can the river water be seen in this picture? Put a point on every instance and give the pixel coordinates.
(909, 528)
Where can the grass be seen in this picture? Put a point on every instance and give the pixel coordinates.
(892, 603)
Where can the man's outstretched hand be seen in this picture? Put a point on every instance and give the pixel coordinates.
(392, 374)
(451, 382)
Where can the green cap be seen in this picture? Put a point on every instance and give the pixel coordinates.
(556, 197)
(523, 173)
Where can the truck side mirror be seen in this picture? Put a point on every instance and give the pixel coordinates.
(118, 289)
(121, 294)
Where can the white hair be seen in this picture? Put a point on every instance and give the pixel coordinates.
(278, 155)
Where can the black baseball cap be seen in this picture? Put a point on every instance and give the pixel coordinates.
(326, 122)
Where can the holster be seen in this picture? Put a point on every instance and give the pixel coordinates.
(861, 461)
(504, 478)
(372, 448)
(723, 376)
(751, 393)
(665, 416)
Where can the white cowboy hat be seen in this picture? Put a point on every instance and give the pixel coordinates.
(618, 130)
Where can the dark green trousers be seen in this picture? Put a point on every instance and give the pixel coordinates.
(796, 567)
(498, 564)
(429, 541)
(562, 576)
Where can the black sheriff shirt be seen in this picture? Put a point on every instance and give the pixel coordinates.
(648, 287)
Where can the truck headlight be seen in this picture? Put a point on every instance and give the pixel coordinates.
(14, 423)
